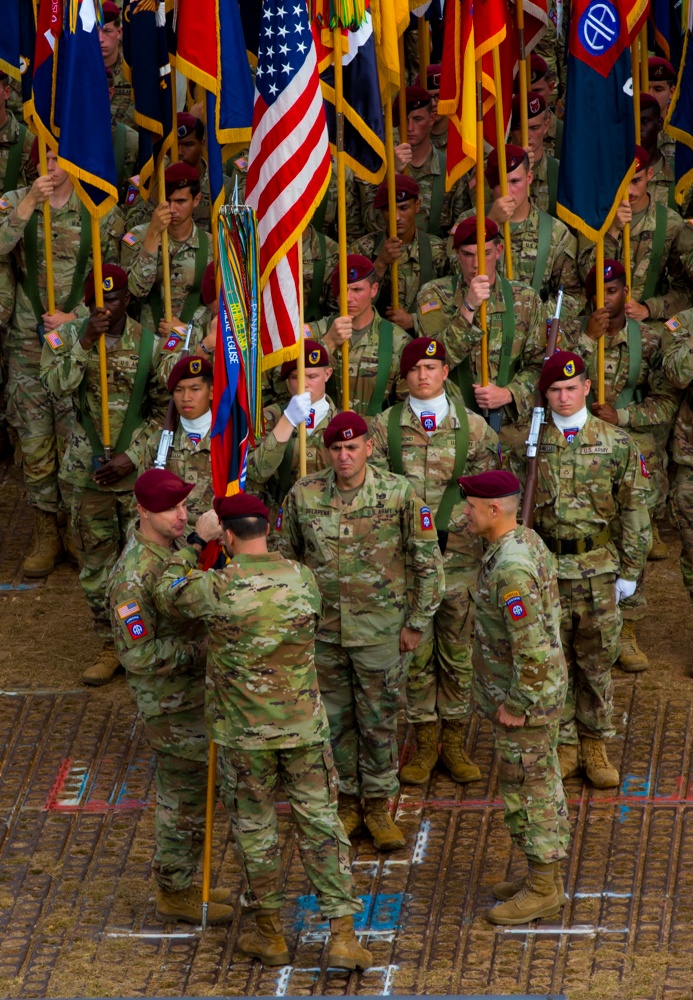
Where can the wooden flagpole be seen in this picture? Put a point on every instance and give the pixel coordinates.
(522, 72)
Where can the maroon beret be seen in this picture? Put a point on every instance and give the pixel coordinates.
(642, 159)
(113, 279)
(490, 485)
(406, 189)
(208, 287)
(416, 98)
(110, 11)
(344, 427)
(465, 232)
(648, 101)
(416, 350)
(180, 175)
(514, 157)
(562, 366)
(158, 489)
(240, 505)
(358, 268)
(432, 77)
(187, 124)
(315, 354)
(189, 367)
(535, 106)
(612, 269)
(538, 67)
(661, 69)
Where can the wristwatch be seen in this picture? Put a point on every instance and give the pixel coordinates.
(206, 349)
(194, 539)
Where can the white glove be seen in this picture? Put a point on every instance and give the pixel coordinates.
(625, 588)
(298, 409)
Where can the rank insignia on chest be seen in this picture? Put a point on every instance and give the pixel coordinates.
(428, 421)
(430, 306)
(280, 519)
(127, 609)
(136, 627)
(426, 519)
(172, 342)
(643, 467)
(54, 340)
(514, 603)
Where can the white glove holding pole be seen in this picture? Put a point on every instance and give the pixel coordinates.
(298, 409)
(625, 588)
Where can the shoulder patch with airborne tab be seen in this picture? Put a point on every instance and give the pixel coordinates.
(430, 306)
(513, 602)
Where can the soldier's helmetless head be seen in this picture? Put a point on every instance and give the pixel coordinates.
(568, 397)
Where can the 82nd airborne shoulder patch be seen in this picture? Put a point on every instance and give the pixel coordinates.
(514, 603)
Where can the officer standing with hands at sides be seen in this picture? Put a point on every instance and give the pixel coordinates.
(519, 684)
(259, 613)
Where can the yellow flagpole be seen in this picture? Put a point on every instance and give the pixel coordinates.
(98, 295)
(391, 198)
(644, 61)
(174, 105)
(47, 240)
(424, 50)
(523, 73)
(402, 95)
(341, 203)
(301, 366)
(481, 217)
(635, 62)
(600, 303)
(209, 830)
(165, 259)
(500, 149)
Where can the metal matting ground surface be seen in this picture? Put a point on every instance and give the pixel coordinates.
(76, 897)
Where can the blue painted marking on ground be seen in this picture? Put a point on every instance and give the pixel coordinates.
(380, 912)
(634, 786)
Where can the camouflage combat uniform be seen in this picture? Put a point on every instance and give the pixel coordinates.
(270, 473)
(365, 349)
(122, 104)
(539, 189)
(100, 514)
(678, 367)
(268, 717)
(439, 311)
(165, 669)
(9, 136)
(42, 423)
(662, 183)
(145, 276)
(439, 679)
(583, 488)
(191, 462)
(673, 290)
(127, 140)
(316, 261)
(364, 554)
(519, 663)
(410, 270)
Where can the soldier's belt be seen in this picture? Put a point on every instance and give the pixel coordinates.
(577, 546)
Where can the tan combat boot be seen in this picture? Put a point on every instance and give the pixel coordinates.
(186, 905)
(461, 767)
(47, 549)
(350, 812)
(418, 770)
(267, 940)
(345, 952)
(386, 836)
(631, 658)
(102, 670)
(596, 764)
(506, 890)
(537, 898)
(67, 538)
(660, 549)
(569, 760)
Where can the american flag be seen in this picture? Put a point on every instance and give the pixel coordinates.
(289, 165)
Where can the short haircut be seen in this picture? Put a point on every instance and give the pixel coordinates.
(509, 504)
(207, 379)
(245, 528)
(193, 187)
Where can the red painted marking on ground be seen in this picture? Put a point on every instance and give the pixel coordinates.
(60, 779)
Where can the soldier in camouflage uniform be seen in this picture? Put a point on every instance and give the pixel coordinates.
(273, 466)
(641, 400)
(661, 184)
(662, 78)
(591, 481)
(373, 548)
(320, 257)
(375, 344)
(268, 718)
(190, 251)
(543, 82)
(439, 128)
(678, 367)
(110, 37)
(426, 165)
(661, 249)
(544, 187)
(431, 439)
(190, 386)
(420, 257)
(126, 147)
(520, 684)
(42, 423)
(358, 198)
(448, 311)
(101, 501)
(164, 664)
(543, 249)
(16, 164)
